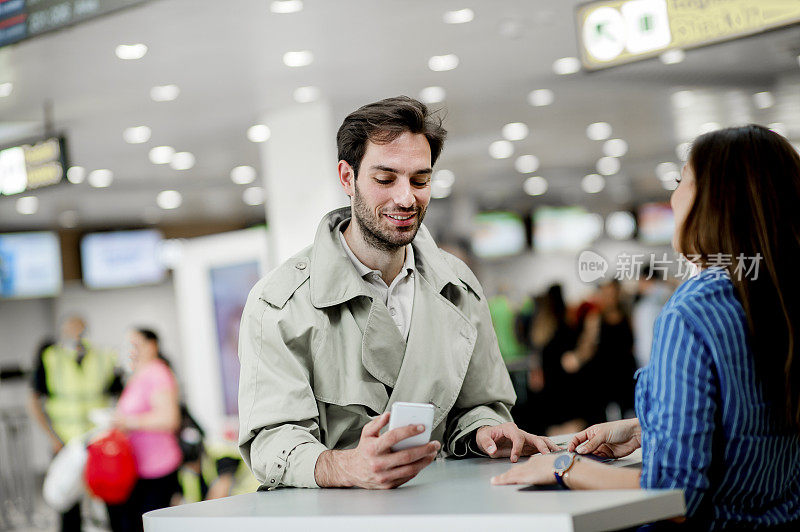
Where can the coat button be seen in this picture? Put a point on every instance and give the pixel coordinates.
(301, 265)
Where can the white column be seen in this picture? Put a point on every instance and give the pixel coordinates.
(300, 179)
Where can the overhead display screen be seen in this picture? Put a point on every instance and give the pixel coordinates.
(30, 265)
(20, 19)
(122, 258)
(498, 234)
(32, 165)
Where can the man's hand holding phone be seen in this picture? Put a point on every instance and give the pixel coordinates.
(373, 464)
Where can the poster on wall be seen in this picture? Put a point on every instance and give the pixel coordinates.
(230, 285)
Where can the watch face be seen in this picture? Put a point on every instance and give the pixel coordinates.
(562, 462)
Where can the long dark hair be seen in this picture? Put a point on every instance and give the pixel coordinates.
(746, 204)
(151, 336)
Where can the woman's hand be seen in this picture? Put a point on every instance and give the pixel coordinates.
(614, 439)
(537, 470)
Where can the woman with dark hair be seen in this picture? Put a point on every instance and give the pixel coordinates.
(718, 406)
(148, 411)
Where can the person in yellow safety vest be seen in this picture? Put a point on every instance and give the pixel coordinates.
(220, 472)
(70, 379)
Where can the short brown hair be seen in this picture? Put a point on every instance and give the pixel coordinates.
(382, 122)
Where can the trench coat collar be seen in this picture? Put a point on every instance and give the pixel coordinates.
(334, 280)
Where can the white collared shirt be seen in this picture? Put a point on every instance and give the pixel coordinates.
(399, 297)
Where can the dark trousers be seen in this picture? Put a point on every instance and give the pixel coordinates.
(148, 494)
(71, 519)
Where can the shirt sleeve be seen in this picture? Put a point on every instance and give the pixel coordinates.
(678, 423)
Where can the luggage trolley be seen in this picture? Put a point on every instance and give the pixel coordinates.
(17, 488)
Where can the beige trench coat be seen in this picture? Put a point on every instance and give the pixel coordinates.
(318, 353)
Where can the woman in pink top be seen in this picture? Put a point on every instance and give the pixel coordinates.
(148, 411)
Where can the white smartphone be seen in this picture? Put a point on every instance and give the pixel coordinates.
(404, 414)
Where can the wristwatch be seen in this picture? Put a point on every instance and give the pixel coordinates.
(562, 466)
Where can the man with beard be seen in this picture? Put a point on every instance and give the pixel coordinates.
(371, 314)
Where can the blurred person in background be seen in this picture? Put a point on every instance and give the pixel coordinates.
(70, 379)
(653, 293)
(603, 358)
(149, 412)
(718, 406)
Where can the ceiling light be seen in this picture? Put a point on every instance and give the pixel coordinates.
(169, 199)
(243, 175)
(667, 171)
(672, 57)
(682, 150)
(526, 164)
(432, 95)
(28, 205)
(440, 192)
(608, 165)
(515, 131)
(286, 6)
(682, 99)
(442, 63)
(136, 135)
(670, 184)
(76, 174)
(131, 51)
(183, 160)
(460, 16)
(615, 148)
(535, 186)
(101, 178)
(68, 219)
(5, 89)
(501, 149)
(566, 65)
(779, 128)
(620, 225)
(708, 127)
(258, 133)
(444, 178)
(164, 93)
(593, 183)
(298, 59)
(599, 131)
(253, 195)
(764, 100)
(541, 97)
(306, 94)
(161, 154)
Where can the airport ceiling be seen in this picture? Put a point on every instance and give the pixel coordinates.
(226, 58)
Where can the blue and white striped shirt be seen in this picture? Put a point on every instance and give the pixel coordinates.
(707, 427)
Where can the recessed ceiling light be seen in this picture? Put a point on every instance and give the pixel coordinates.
(620, 225)
(442, 63)
(599, 131)
(164, 93)
(515, 131)
(27, 205)
(243, 175)
(779, 128)
(671, 184)
(169, 199)
(764, 100)
(258, 133)
(100, 178)
(286, 6)
(131, 51)
(535, 186)
(183, 160)
(615, 147)
(566, 66)
(501, 149)
(68, 219)
(682, 150)
(161, 154)
(593, 183)
(526, 164)
(444, 178)
(432, 95)
(5, 89)
(667, 171)
(708, 127)
(460, 16)
(136, 135)
(298, 59)
(76, 174)
(608, 165)
(253, 196)
(306, 94)
(541, 97)
(672, 57)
